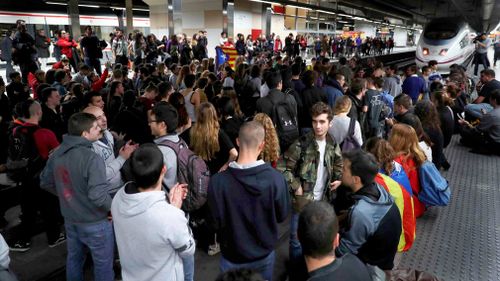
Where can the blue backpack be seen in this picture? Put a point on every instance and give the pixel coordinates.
(434, 188)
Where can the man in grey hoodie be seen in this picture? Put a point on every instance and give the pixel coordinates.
(105, 147)
(78, 176)
(152, 234)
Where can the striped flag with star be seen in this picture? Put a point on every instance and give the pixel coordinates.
(224, 54)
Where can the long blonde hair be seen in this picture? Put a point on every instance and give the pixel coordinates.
(205, 132)
(271, 151)
(404, 141)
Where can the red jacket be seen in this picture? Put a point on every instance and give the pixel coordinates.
(411, 170)
(278, 45)
(45, 141)
(98, 85)
(66, 46)
(33, 83)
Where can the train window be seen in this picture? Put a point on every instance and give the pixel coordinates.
(464, 42)
(441, 30)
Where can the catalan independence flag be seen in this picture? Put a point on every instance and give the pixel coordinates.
(404, 202)
(224, 54)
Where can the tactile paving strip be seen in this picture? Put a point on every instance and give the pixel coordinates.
(462, 241)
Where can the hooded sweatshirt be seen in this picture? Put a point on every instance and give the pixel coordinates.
(151, 235)
(113, 164)
(374, 227)
(247, 203)
(78, 176)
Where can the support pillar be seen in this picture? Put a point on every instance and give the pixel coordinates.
(176, 14)
(130, 16)
(165, 17)
(266, 19)
(74, 18)
(228, 18)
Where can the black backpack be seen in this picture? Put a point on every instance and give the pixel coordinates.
(350, 142)
(23, 158)
(285, 122)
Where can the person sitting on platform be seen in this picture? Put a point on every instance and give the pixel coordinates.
(485, 137)
(481, 105)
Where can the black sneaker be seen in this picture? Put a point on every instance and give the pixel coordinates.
(59, 241)
(20, 246)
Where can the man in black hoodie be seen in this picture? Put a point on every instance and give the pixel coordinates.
(247, 201)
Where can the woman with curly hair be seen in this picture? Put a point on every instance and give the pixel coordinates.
(428, 115)
(408, 153)
(209, 141)
(271, 151)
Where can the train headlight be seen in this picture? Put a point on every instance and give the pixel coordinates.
(425, 51)
(443, 52)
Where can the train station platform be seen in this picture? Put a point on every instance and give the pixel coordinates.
(457, 242)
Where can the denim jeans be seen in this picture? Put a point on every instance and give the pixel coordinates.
(99, 239)
(295, 250)
(474, 109)
(9, 69)
(264, 266)
(188, 264)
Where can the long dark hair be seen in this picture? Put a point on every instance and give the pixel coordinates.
(427, 113)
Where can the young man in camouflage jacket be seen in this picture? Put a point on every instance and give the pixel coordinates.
(312, 167)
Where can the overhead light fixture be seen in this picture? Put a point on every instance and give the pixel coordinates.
(138, 9)
(326, 12)
(117, 8)
(267, 2)
(342, 21)
(57, 3)
(89, 6)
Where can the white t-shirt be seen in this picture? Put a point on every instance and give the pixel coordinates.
(321, 173)
(427, 150)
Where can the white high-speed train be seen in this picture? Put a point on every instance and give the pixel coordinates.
(446, 40)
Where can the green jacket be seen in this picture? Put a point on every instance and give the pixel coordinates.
(299, 165)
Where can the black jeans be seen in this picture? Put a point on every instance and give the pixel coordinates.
(480, 59)
(34, 199)
(94, 63)
(27, 67)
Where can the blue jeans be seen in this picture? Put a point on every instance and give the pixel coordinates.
(295, 249)
(188, 264)
(9, 69)
(99, 238)
(474, 109)
(264, 266)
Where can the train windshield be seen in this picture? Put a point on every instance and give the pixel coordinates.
(441, 30)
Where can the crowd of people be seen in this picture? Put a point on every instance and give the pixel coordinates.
(308, 45)
(183, 156)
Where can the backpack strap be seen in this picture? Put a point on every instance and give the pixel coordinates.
(175, 146)
(352, 124)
